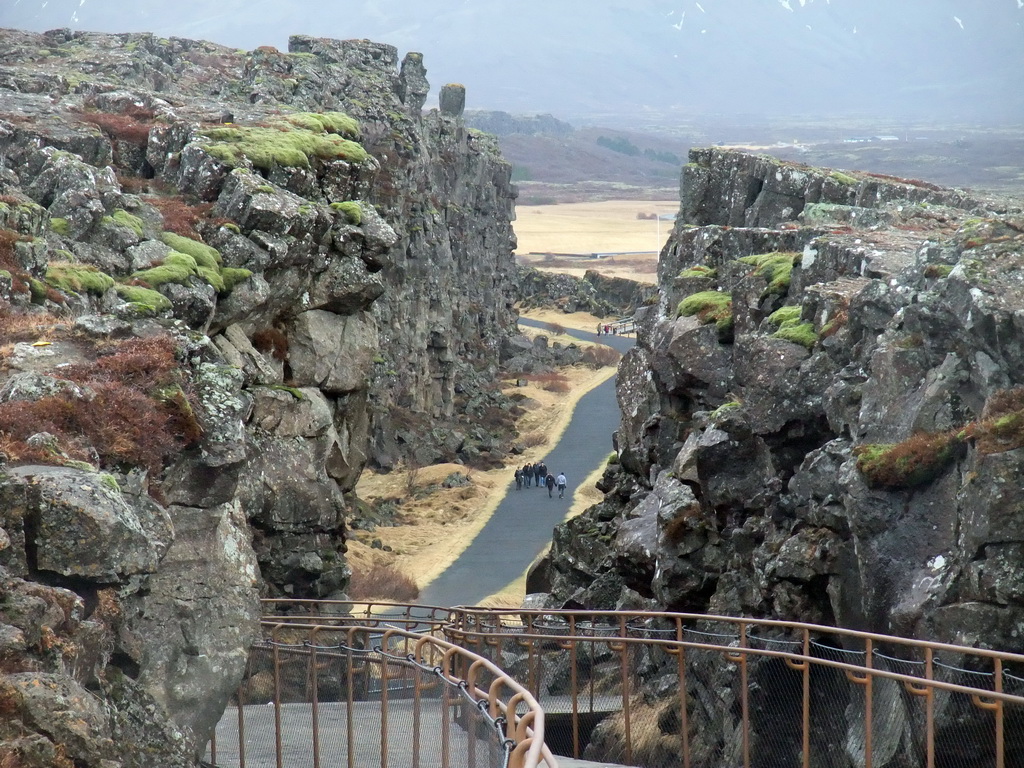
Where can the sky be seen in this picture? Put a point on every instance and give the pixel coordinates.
(948, 61)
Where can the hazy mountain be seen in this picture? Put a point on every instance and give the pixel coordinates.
(943, 59)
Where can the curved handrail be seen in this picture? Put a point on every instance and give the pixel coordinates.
(855, 654)
(501, 697)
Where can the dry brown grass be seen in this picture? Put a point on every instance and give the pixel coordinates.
(599, 356)
(180, 217)
(272, 340)
(533, 439)
(138, 411)
(132, 128)
(382, 581)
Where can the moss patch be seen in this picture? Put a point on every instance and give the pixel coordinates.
(178, 267)
(798, 333)
(937, 270)
(145, 298)
(776, 268)
(709, 307)
(204, 255)
(287, 146)
(325, 122)
(78, 278)
(60, 226)
(352, 210)
(121, 218)
(698, 270)
(842, 178)
(916, 461)
(785, 316)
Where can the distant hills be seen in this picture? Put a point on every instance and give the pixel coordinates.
(944, 60)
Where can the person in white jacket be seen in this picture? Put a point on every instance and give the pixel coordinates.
(560, 480)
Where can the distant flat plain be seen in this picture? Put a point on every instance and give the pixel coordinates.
(546, 233)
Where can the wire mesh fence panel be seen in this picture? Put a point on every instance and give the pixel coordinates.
(965, 734)
(833, 709)
(776, 704)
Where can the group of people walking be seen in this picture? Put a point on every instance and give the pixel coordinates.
(538, 474)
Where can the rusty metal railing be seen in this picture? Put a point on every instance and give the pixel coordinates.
(657, 689)
(343, 683)
(346, 690)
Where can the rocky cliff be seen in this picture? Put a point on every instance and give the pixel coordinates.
(228, 280)
(822, 419)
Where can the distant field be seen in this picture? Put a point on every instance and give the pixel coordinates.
(546, 232)
(603, 227)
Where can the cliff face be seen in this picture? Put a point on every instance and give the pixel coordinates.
(821, 419)
(821, 422)
(222, 275)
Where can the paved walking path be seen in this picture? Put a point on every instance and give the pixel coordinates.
(522, 524)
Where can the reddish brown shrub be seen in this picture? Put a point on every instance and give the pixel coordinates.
(555, 328)
(180, 217)
(381, 581)
(138, 414)
(556, 386)
(600, 356)
(533, 439)
(272, 340)
(123, 126)
(917, 460)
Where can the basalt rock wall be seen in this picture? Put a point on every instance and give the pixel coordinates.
(221, 273)
(820, 421)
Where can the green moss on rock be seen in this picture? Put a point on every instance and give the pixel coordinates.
(915, 461)
(232, 276)
(843, 178)
(121, 218)
(205, 255)
(785, 316)
(269, 147)
(352, 210)
(775, 267)
(177, 268)
(699, 270)
(145, 298)
(60, 226)
(798, 333)
(709, 307)
(78, 278)
(325, 122)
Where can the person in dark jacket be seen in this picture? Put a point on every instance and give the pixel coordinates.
(519, 479)
(538, 475)
(549, 481)
(527, 474)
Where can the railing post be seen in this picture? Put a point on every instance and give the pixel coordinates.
(929, 708)
(805, 715)
(241, 727)
(417, 681)
(573, 690)
(1000, 744)
(384, 701)
(350, 698)
(869, 708)
(315, 695)
(278, 746)
(624, 668)
(745, 697)
(445, 709)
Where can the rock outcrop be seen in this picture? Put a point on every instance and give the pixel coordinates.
(822, 418)
(228, 281)
(595, 293)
